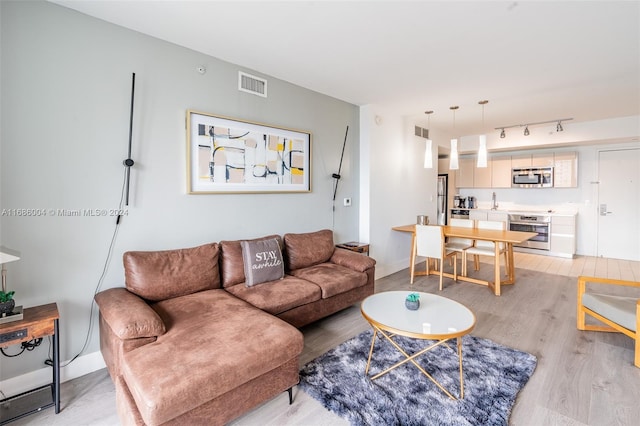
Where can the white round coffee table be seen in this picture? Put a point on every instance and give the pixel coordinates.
(438, 318)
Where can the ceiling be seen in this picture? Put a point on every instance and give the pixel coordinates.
(534, 61)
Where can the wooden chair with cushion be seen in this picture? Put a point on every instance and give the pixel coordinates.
(486, 248)
(430, 243)
(460, 244)
(621, 314)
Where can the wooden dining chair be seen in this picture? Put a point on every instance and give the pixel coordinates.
(621, 314)
(459, 245)
(430, 243)
(486, 248)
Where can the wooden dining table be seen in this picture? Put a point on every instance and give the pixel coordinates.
(496, 236)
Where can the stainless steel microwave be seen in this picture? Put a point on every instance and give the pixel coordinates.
(532, 177)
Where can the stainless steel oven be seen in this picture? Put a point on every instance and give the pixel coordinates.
(540, 224)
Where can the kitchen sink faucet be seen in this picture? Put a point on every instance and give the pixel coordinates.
(494, 205)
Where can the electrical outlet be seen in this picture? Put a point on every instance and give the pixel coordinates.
(347, 202)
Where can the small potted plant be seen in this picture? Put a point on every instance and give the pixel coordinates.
(6, 302)
(412, 302)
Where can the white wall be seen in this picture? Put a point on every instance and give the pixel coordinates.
(400, 187)
(66, 85)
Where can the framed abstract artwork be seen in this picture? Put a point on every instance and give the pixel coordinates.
(225, 155)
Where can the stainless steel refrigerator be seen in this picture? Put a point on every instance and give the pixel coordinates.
(443, 185)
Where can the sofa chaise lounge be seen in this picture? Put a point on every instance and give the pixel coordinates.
(194, 338)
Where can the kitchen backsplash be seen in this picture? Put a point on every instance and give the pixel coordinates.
(569, 208)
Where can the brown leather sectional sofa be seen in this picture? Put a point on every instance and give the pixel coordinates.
(187, 342)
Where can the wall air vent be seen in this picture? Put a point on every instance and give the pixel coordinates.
(422, 133)
(252, 84)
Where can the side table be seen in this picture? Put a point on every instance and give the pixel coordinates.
(37, 322)
(355, 246)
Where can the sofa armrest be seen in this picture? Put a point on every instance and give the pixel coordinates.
(128, 315)
(352, 260)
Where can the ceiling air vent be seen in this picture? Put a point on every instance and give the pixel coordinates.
(252, 84)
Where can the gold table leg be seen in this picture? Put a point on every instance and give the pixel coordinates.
(373, 340)
(410, 358)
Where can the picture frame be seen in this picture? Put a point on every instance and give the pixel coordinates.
(227, 155)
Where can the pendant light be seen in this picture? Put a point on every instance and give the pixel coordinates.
(428, 155)
(482, 146)
(453, 157)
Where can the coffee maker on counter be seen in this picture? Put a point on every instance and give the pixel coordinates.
(460, 202)
(471, 202)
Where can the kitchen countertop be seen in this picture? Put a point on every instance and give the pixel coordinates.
(550, 212)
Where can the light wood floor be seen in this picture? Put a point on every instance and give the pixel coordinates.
(581, 265)
(582, 378)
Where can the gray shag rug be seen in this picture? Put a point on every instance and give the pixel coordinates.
(493, 376)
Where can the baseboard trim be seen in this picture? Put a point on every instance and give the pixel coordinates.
(82, 365)
(394, 267)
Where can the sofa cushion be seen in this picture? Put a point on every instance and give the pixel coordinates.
(262, 261)
(160, 275)
(232, 264)
(331, 278)
(278, 296)
(308, 249)
(214, 343)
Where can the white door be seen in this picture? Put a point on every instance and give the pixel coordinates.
(618, 204)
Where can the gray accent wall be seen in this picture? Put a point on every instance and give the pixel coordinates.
(66, 85)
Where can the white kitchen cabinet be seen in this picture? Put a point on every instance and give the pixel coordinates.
(475, 214)
(563, 235)
(520, 161)
(544, 159)
(501, 171)
(482, 175)
(497, 174)
(464, 174)
(493, 215)
(497, 216)
(470, 176)
(565, 172)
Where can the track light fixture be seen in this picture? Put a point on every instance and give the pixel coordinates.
(559, 127)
